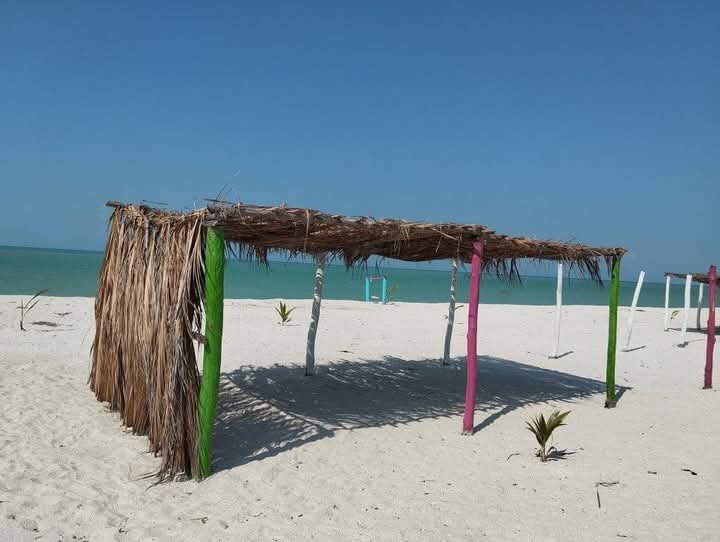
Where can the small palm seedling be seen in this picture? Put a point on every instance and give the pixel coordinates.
(25, 308)
(543, 430)
(284, 312)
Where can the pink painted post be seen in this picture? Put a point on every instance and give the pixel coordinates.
(710, 328)
(471, 367)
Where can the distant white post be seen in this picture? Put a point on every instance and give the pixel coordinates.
(558, 311)
(667, 302)
(314, 318)
(451, 313)
(699, 306)
(686, 312)
(631, 317)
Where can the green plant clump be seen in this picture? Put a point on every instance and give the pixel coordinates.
(543, 431)
(284, 312)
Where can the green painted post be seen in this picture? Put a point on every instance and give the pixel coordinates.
(214, 295)
(611, 401)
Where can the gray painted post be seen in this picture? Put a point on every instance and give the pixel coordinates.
(699, 305)
(451, 313)
(633, 306)
(667, 302)
(558, 312)
(686, 312)
(314, 318)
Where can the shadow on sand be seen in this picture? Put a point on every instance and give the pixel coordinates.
(264, 411)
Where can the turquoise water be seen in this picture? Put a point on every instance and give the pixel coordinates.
(74, 273)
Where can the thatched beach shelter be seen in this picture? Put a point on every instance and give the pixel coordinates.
(701, 279)
(162, 277)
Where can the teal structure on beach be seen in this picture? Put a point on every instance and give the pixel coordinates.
(368, 283)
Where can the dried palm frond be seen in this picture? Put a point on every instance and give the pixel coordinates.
(695, 277)
(147, 308)
(255, 231)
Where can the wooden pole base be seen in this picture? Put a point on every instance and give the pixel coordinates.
(214, 296)
(710, 346)
(451, 313)
(612, 333)
(471, 363)
(314, 317)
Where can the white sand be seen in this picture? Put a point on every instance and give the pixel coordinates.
(370, 449)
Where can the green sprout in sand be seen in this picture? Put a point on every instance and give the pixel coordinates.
(284, 312)
(543, 430)
(25, 308)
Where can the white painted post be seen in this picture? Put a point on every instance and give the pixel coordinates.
(314, 318)
(686, 312)
(558, 311)
(631, 317)
(451, 313)
(699, 305)
(667, 302)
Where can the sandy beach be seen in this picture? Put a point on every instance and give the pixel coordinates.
(370, 448)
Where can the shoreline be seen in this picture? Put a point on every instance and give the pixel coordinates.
(461, 301)
(25, 271)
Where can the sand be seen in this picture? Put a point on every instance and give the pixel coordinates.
(370, 448)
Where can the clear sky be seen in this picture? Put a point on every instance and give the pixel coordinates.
(590, 121)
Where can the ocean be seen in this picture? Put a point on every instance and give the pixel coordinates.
(24, 271)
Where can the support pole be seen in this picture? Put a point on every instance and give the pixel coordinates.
(474, 298)
(384, 290)
(667, 302)
(635, 298)
(699, 304)
(558, 311)
(610, 400)
(214, 295)
(712, 279)
(451, 313)
(686, 311)
(367, 290)
(314, 317)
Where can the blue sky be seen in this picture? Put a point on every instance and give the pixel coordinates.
(595, 122)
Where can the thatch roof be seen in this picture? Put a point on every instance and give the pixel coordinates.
(149, 304)
(261, 229)
(696, 277)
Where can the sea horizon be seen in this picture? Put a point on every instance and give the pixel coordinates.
(74, 272)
